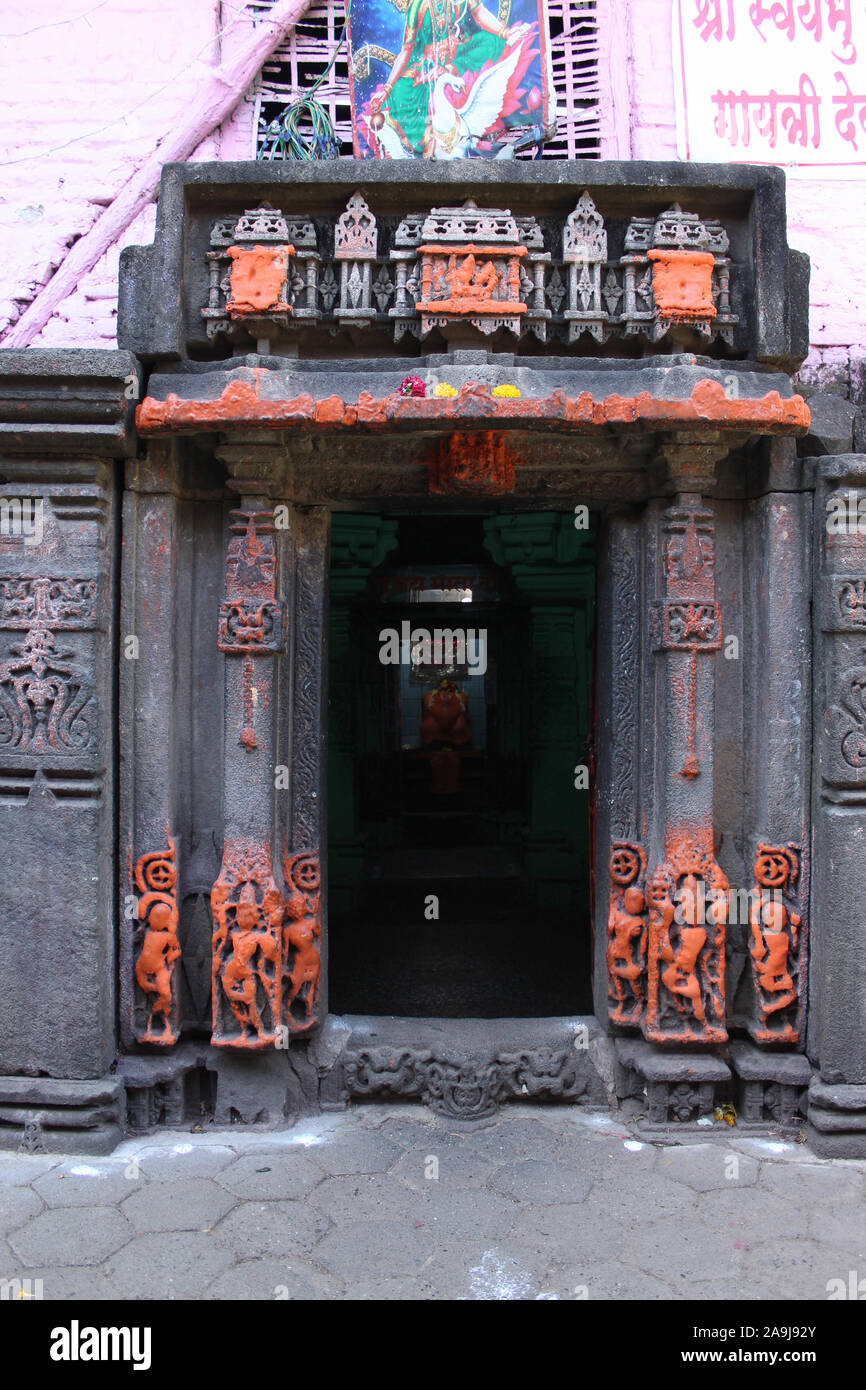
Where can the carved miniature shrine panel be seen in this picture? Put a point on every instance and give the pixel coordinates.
(468, 266)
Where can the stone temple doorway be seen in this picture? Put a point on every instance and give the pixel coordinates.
(459, 721)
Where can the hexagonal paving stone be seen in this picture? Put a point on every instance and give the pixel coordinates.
(18, 1170)
(678, 1248)
(751, 1216)
(87, 1184)
(256, 1229)
(17, 1205)
(182, 1161)
(474, 1270)
(364, 1197)
(72, 1283)
(537, 1180)
(795, 1269)
(272, 1280)
(606, 1280)
(707, 1166)
(508, 1140)
(574, 1233)
(195, 1205)
(356, 1151)
(454, 1213)
(271, 1177)
(445, 1160)
(71, 1236)
(354, 1251)
(171, 1264)
(624, 1192)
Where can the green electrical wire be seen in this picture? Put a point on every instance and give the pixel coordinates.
(287, 134)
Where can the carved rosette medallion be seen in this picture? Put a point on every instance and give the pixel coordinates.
(156, 948)
(627, 934)
(778, 945)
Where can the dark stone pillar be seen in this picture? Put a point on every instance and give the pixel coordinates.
(837, 1014)
(149, 945)
(305, 959)
(246, 899)
(64, 421)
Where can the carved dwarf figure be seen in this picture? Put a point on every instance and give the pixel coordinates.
(156, 942)
(775, 937)
(302, 929)
(627, 935)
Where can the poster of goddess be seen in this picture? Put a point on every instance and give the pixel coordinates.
(443, 79)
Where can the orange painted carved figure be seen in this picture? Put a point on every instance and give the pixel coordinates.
(445, 715)
(627, 934)
(252, 947)
(156, 942)
(471, 279)
(247, 910)
(775, 930)
(680, 977)
(302, 930)
(626, 948)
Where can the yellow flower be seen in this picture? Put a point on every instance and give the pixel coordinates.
(506, 391)
(443, 389)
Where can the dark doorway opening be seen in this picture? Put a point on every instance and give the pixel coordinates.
(459, 719)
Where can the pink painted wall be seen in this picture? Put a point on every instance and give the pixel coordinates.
(825, 216)
(88, 89)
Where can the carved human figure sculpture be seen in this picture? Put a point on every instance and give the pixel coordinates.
(155, 944)
(680, 974)
(625, 952)
(445, 715)
(302, 930)
(775, 946)
(252, 948)
(627, 934)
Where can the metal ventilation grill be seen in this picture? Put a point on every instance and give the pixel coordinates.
(574, 50)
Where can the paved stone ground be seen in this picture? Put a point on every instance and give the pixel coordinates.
(396, 1203)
